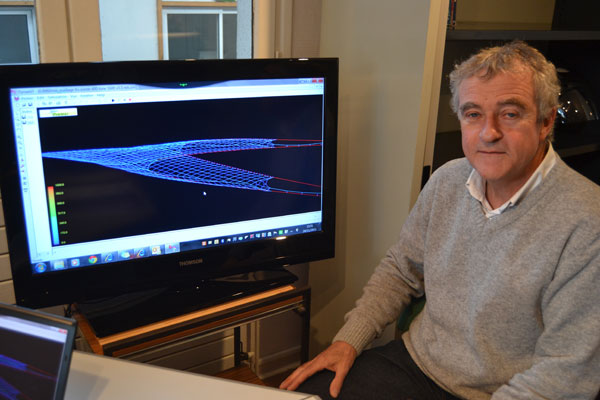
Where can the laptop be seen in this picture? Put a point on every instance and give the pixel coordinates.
(35, 353)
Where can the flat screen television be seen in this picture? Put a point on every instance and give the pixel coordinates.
(196, 180)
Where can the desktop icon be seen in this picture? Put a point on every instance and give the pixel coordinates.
(59, 264)
(93, 259)
(142, 252)
(172, 248)
(155, 250)
(75, 262)
(40, 267)
(109, 257)
(125, 255)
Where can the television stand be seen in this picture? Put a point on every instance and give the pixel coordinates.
(122, 313)
(171, 334)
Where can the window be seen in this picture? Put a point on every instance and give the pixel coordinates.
(18, 37)
(199, 32)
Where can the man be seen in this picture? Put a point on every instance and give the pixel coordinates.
(506, 246)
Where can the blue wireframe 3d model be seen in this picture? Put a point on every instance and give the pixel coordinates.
(179, 161)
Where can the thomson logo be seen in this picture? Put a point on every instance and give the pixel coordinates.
(191, 262)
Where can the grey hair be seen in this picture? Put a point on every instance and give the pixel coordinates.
(507, 58)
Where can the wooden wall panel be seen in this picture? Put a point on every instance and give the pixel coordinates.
(84, 22)
(68, 30)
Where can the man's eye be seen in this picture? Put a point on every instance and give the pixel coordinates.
(471, 114)
(511, 115)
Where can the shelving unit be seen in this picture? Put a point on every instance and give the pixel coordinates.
(526, 35)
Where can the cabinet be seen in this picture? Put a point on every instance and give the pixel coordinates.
(571, 42)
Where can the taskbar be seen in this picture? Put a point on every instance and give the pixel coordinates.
(251, 236)
(168, 248)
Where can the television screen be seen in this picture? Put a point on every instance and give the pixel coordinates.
(119, 177)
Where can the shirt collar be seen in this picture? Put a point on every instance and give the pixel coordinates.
(476, 185)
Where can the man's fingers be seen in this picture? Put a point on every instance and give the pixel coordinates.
(338, 358)
(299, 376)
(288, 382)
(338, 381)
(294, 380)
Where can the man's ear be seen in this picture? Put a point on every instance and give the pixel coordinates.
(548, 123)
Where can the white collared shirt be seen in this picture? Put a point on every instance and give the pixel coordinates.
(476, 185)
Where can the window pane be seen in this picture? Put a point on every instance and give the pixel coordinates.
(14, 39)
(229, 36)
(193, 36)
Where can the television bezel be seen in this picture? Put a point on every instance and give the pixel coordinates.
(104, 281)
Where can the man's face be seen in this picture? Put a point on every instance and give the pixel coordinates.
(501, 137)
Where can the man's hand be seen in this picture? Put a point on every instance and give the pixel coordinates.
(337, 358)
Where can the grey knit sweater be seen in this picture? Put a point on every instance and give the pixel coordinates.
(513, 302)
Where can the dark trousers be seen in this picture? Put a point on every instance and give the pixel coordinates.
(386, 372)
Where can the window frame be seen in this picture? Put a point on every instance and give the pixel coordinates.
(29, 12)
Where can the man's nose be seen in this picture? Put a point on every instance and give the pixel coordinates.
(490, 131)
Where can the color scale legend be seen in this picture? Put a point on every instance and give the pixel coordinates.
(53, 220)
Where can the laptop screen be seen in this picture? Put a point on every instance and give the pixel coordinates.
(35, 353)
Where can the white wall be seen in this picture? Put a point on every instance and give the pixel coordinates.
(129, 30)
(381, 46)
